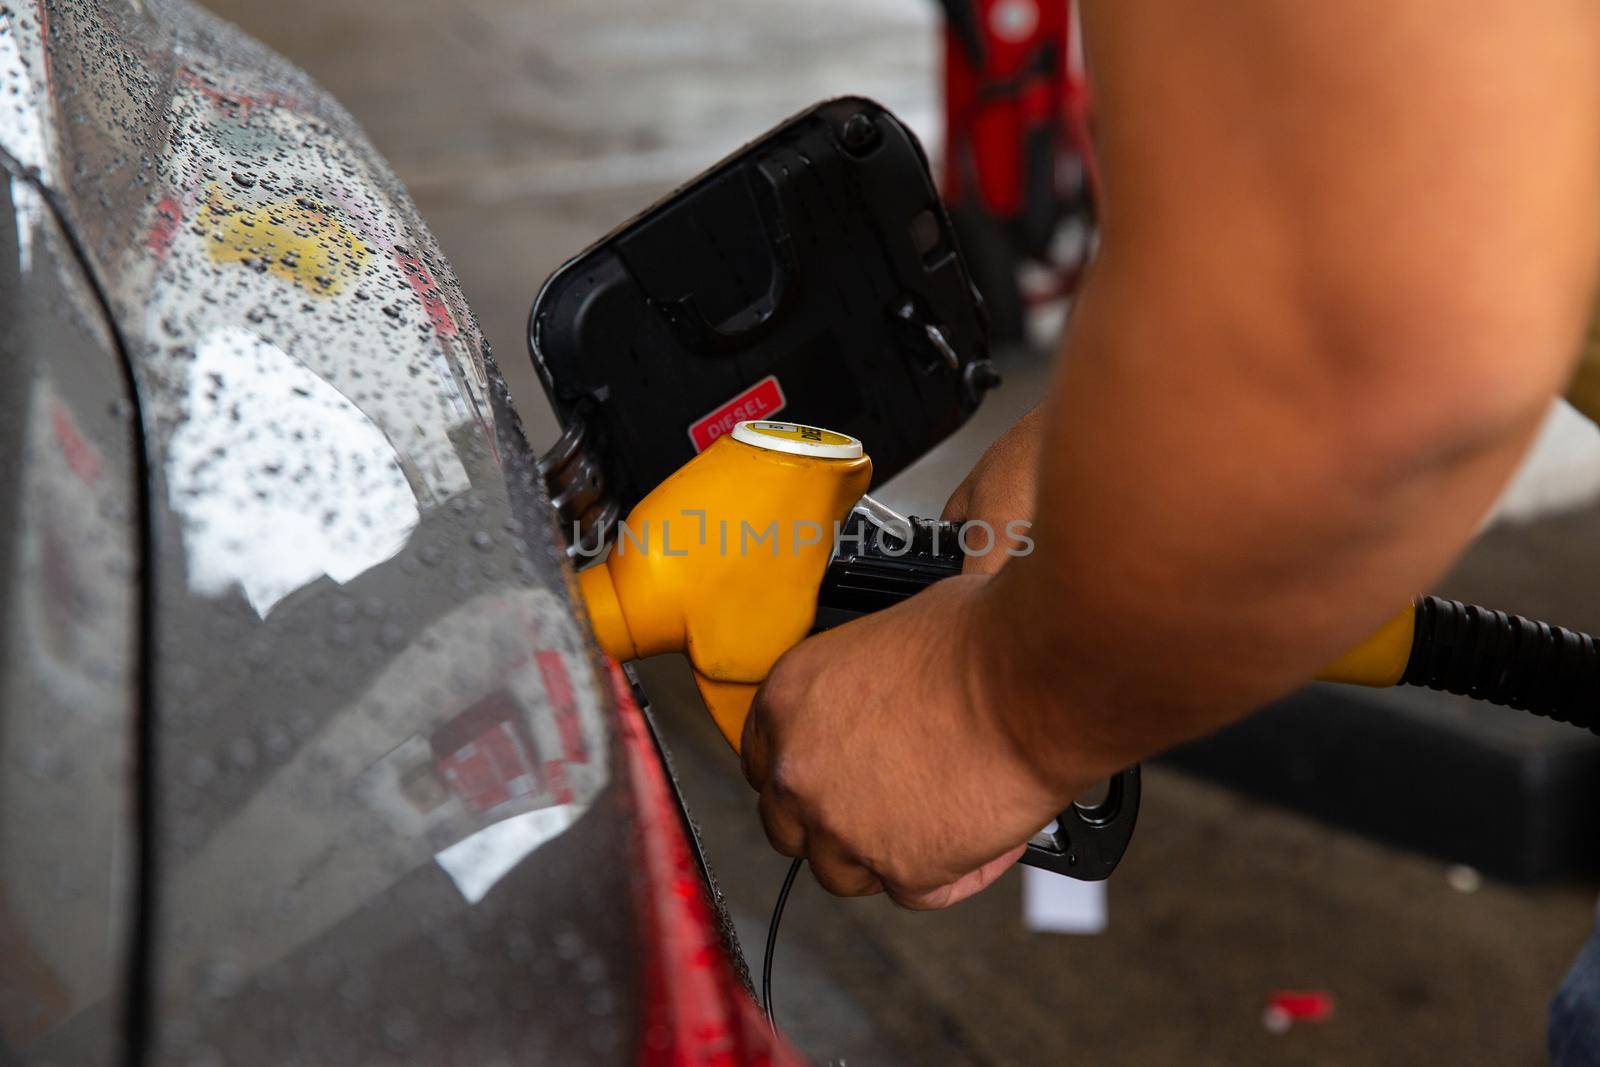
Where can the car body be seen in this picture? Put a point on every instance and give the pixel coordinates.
(306, 752)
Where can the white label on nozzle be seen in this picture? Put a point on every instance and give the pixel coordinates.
(799, 440)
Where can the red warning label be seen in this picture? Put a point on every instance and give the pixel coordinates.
(763, 399)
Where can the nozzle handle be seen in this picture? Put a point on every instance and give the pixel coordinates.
(882, 558)
(1087, 840)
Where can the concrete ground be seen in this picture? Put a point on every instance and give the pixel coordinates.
(527, 128)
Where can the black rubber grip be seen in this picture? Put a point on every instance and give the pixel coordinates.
(1507, 660)
(881, 569)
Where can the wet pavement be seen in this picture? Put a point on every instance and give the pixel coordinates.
(525, 130)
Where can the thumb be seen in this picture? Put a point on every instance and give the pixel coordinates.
(955, 892)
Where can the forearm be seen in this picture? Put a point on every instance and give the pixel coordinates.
(1345, 264)
(1205, 541)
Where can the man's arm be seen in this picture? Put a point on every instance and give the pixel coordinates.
(1347, 255)
(1349, 250)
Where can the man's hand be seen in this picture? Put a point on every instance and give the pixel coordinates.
(1000, 490)
(883, 755)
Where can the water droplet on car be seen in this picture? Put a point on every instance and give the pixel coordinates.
(400, 1030)
(242, 753)
(200, 771)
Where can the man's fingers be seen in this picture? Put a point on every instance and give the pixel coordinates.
(785, 832)
(984, 562)
(956, 507)
(980, 879)
(832, 866)
(754, 754)
(836, 872)
(955, 892)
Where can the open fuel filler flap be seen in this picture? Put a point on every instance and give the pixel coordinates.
(812, 275)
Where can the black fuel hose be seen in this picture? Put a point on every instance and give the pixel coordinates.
(1505, 659)
(1456, 648)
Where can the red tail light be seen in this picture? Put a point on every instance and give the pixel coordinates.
(696, 1011)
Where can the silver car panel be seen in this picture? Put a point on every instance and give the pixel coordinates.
(69, 653)
(386, 823)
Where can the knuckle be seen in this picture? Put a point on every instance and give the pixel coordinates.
(781, 844)
(786, 779)
(844, 881)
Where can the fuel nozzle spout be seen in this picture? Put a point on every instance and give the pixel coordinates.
(723, 560)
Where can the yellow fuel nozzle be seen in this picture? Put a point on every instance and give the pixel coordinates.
(723, 560)
(1379, 661)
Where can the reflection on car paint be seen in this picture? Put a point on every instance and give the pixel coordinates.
(297, 239)
(380, 773)
(264, 469)
(477, 862)
(23, 126)
(486, 754)
(28, 205)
